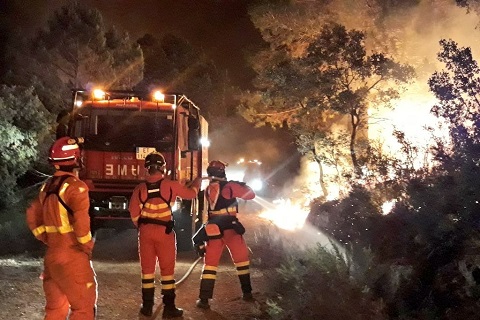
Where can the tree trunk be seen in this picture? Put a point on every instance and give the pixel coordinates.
(353, 136)
(321, 176)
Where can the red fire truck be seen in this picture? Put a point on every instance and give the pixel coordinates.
(119, 129)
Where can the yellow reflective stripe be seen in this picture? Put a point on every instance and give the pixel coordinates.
(156, 206)
(85, 239)
(167, 278)
(168, 286)
(148, 285)
(155, 215)
(153, 190)
(211, 268)
(38, 231)
(62, 210)
(66, 226)
(224, 211)
(240, 272)
(52, 229)
(148, 275)
(209, 276)
(61, 229)
(242, 264)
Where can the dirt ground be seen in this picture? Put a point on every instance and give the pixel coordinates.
(118, 274)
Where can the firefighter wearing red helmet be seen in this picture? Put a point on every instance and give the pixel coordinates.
(59, 218)
(222, 229)
(151, 211)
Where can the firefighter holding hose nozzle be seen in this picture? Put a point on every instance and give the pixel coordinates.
(222, 229)
(151, 211)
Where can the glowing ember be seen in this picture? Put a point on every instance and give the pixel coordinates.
(388, 206)
(286, 215)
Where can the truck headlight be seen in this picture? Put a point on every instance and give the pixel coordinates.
(256, 184)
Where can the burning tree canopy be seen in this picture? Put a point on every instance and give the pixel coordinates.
(325, 90)
(318, 93)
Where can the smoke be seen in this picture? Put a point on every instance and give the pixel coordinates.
(236, 139)
(408, 31)
(411, 36)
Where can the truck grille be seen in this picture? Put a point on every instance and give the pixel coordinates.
(114, 185)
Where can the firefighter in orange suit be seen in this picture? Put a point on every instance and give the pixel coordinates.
(222, 229)
(59, 218)
(151, 211)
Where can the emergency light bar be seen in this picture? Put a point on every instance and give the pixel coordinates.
(82, 96)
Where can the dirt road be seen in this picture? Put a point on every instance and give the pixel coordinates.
(118, 273)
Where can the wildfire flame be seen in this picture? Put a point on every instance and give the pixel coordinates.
(286, 215)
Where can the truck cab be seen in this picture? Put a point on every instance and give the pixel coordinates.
(119, 129)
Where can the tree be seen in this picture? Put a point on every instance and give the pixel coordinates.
(327, 88)
(457, 89)
(24, 125)
(76, 50)
(175, 65)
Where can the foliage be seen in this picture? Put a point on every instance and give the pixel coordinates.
(315, 283)
(457, 90)
(325, 88)
(350, 220)
(433, 229)
(15, 236)
(75, 50)
(24, 126)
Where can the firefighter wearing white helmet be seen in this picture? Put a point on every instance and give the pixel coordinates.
(151, 212)
(59, 218)
(222, 229)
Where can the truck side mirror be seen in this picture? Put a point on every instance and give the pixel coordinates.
(193, 134)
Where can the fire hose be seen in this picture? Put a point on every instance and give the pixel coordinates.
(192, 266)
(189, 271)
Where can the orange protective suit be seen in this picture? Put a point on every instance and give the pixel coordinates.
(150, 209)
(224, 229)
(59, 218)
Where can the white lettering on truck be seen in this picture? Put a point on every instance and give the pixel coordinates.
(109, 170)
(122, 170)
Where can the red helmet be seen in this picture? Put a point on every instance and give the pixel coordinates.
(154, 159)
(216, 168)
(64, 152)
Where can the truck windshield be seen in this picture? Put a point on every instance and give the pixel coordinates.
(117, 130)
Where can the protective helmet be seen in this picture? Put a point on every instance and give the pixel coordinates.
(216, 168)
(65, 152)
(154, 159)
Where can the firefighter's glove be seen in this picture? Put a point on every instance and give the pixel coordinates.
(200, 249)
(169, 227)
(196, 183)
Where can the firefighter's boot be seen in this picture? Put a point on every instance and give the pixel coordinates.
(169, 308)
(246, 286)
(203, 303)
(147, 301)
(206, 292)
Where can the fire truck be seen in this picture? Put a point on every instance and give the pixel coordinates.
(119, 129)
